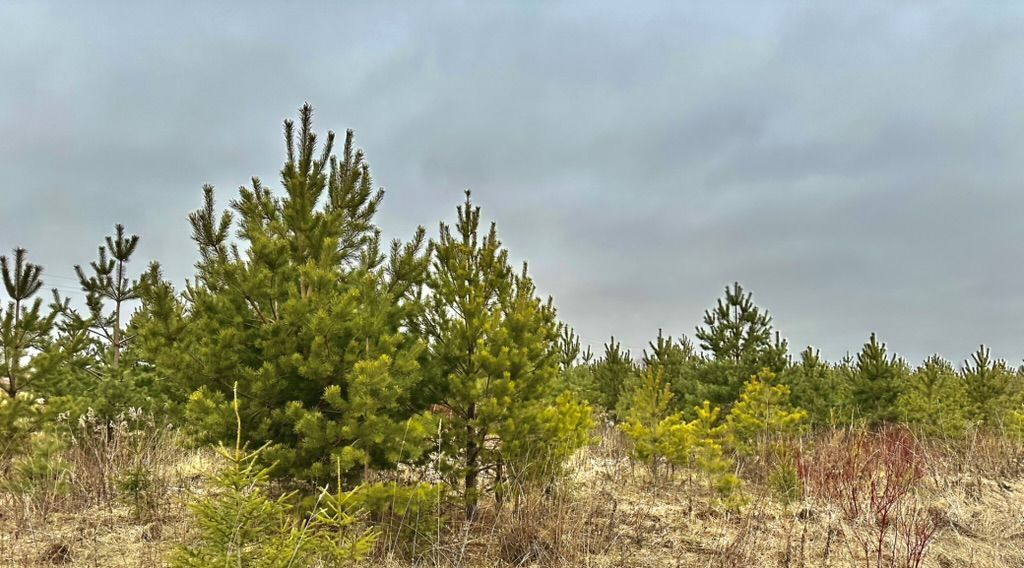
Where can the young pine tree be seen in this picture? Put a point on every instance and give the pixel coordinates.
(740, 339)
(763, 410)
(308, 315)
(819, 388)
(877, 382)
(495, 355)
(577, 374)
(612, 373)
(240, 523)
(643, 409)
(100, 374)
(25, 328)
(109, 283)
(678, 360)
(568, 347)
(736, 329)
(935, 401)
(988, 385)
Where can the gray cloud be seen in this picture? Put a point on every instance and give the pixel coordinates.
(857, 168)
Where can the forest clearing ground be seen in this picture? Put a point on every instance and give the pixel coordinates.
(608, 514)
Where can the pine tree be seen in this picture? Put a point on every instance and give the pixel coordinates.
(305, 311)
(611, 375)
(740, 339)
(109, 282)
(25, 327)
(678, 360)
(763, 410)
(736, 329)
(577, 376)
(878, 381)
(935, 400)
(645, 411)
(495, 353)
(648, 402)
(819, 388)
(569, 347)
(988, 386)
(240, 522)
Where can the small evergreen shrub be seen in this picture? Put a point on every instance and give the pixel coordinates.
(20, 417)
(762, 412)
(409, 517)
(240, 524)
(39, 477)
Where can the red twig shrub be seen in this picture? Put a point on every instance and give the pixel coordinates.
(871, 477)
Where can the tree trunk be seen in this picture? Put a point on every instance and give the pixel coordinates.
(472, 466)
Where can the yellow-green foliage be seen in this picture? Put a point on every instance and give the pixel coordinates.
(674, 439)
(697, 444)
(408, 516)
(538, 448)
(644, 408)
(763, 410)
(709, 452)
(38, 476)
(1015, 424)
(20, 416)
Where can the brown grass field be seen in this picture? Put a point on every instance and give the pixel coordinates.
(965, 506)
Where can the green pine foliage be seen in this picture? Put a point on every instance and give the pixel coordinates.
(578, 374)
(990, 387)
(647, 405)
(611, 374)
(307, 313)
(496, 361)
(27, 352)
(821, 389)
(239, 523)
(740, 340)
(680, 363)
(21, 416)
(569, 349)
(659, 436)
(409, 516)
(109, 284)
(30, 357)
(709, 451)
(878, 381)
(934, 400)
(1015, 423)
(100, 372)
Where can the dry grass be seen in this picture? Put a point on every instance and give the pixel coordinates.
(608, 513)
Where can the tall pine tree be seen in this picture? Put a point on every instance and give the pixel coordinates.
(306, 312)
(495, 351)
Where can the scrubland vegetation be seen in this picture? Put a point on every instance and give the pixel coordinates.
(317, 396)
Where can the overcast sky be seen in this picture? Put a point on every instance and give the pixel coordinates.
(857, 168)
